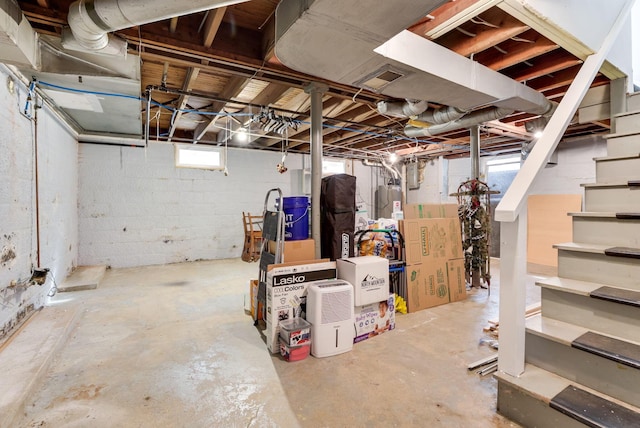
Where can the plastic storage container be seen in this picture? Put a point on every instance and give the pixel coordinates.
(295, 331)
(296, 217)
(294, 352)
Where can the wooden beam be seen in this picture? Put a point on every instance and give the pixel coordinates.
(552, 62)
(232, 89)
(189, 81)
(43, 3)
(173, 24)
(212, 25)
(485, 36)
(449, 16)
(516, 52)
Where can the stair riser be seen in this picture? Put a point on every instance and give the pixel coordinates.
(608, 231)
(633, 102)
(617, 271)
(617, 170)
(529, 411)
(603, 375)
(628, 123)
(623, 146)
(604, 316)
(612, 199)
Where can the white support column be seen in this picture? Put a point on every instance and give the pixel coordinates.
(513, 294)
(316, 90)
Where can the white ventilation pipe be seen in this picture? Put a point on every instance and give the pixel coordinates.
(396, 174)
(91, 20)
(403, 110)
(419, 110)
(474, 118)
(441, 115)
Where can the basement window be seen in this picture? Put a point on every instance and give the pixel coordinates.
(330, 167)
(199, 156)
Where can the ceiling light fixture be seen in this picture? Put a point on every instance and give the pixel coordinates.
(242, 135)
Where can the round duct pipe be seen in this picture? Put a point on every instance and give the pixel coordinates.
(403, 110)
(474, 118)
(91, 20)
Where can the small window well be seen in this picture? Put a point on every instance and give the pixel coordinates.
(199, 156)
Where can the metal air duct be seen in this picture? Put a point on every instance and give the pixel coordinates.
(371, 49)
(91, 20)
(474, 118)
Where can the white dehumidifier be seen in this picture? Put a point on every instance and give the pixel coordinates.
(330, 312)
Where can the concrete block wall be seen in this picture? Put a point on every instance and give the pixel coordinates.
(575, 166)
(136, 208)
(55, 196)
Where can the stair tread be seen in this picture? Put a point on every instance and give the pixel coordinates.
(574, 286)
(552, 329)
(621, 134)
(545, 385)
(585, 248)
(628, 216)
(615, 158)
(618, 295)
(627, 113)
(621, 351)
(537, 382)
(593, 214)
(617, 183)
(598, 214)
(564, 332)
(593, 410)
(628, 252)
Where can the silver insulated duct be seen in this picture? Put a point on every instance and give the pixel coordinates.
(91, 20)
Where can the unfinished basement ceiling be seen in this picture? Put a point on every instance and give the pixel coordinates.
(223, 60)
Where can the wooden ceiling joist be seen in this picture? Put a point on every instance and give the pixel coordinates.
(212, 25)
(189, 82)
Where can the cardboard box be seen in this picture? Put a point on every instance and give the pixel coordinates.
(369, 276)
(429, 239)
(457, 281)
(369, 322)
(286, 292)
(296, 251)
(253, 296)
(415, 211)
(427, 285)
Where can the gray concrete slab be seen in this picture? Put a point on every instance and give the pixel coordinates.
(172, 346)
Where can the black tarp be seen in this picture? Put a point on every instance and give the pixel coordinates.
(338, 216)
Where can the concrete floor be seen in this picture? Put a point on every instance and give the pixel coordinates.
(171, 346)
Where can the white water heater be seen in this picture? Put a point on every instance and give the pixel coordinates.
(330, 312)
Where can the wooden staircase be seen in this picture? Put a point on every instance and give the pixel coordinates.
(582, 352)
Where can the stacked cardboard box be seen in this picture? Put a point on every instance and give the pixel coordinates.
(296, 251)
(433, 253)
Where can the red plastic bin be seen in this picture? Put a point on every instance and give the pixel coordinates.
(294, 352)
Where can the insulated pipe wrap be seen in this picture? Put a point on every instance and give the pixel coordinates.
(475, 118)
(91, 20)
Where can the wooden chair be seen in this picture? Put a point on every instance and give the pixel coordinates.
(252, 237)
